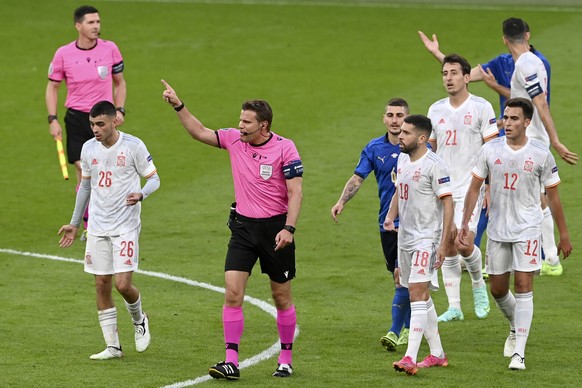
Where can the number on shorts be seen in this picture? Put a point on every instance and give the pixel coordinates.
(126, 249)
(422, 257)
(532, 248)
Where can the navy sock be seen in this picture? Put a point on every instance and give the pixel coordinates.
(400, 309)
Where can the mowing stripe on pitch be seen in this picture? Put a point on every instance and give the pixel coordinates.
(266, 307)
(468, 6)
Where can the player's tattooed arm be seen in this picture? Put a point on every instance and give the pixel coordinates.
(351, 188)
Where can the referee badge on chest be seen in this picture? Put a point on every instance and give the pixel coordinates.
(102, 71)
(266, 171)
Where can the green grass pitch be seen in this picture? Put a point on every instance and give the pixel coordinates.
(327, 68)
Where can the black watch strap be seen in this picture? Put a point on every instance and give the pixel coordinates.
(290, 228)
(52, 118)
(121, 110)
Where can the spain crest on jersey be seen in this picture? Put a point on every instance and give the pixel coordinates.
(528, 166)
(266, 171)
(416, 176)
(120, 161)
(468, 120)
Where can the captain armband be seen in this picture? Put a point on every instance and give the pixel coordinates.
(293, 169)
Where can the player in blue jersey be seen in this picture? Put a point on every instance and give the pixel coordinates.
(381, 155)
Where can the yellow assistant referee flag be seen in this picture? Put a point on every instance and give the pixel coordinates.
(62, 160)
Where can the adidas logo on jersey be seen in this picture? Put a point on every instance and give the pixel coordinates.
(498, 161)
(533, 261)
(94, 161)
(441, 121)
(128, 262)
(421, 272)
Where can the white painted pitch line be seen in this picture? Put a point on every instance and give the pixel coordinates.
(269, 309)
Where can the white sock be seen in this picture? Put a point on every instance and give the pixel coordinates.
(473, 263)
(108, 323)
(452, 279)
(548, 239)
(431, 332)
(523, 317)
(507, 306)
(418, 318)
(135, 310)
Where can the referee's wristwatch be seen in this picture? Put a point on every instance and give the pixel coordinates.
(121, 110)
(289, 228)
(52, 118)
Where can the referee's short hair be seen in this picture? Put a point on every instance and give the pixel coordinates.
(261, 108)
(83, 10)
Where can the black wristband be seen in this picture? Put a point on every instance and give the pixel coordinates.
(120, 109)
(289, 228)
(51, 118)
(179, 107)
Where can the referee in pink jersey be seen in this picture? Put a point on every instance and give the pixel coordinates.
(267, 173)
(92, 68)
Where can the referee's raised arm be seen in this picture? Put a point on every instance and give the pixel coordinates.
(194, 126)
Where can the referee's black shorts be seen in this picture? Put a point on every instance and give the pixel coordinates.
(254, 238)
(78, 132)
(390, 248)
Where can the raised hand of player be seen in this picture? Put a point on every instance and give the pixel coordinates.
(69, 233)
(567, 155)
(336, 210)
(170, 95)
(431, 45)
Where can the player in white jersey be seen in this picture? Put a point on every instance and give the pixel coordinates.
(423, 202)
(112, 164)
(461, 124)
(529, 81)
(517, 167)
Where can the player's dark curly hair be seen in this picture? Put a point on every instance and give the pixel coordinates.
(420, 122)
(103, 108)
(456, 58)
(523, 103)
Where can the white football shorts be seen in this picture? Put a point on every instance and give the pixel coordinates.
(108, 255)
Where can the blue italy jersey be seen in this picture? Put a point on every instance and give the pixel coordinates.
(381, 157)
(502, 68)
